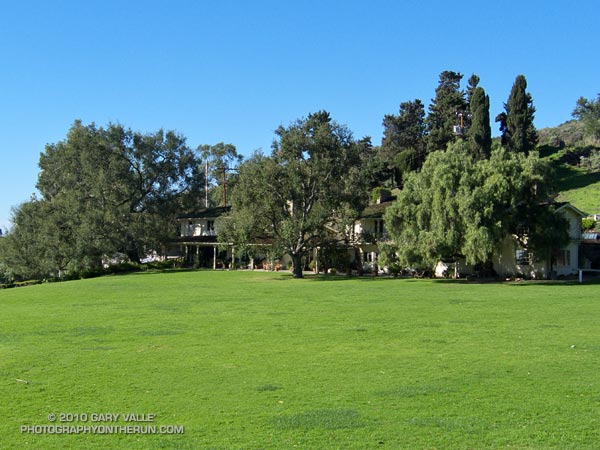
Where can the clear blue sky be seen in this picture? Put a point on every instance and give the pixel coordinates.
(233, 71)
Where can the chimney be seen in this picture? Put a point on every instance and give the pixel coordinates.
(385, 195)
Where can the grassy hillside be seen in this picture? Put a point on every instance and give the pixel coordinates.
(563, 146)
(579, 188)
(259, 360)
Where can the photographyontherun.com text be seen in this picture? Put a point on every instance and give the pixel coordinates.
(101, 423)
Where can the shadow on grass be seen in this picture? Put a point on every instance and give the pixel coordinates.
(554, 282)
(326, 419)
(571, 178)
(567, 282)
(390, 279)
(549, 150)
(311, 277)
(461, 281)
(155, 271)
(337, 278)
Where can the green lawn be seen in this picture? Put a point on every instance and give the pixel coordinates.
(246, 360)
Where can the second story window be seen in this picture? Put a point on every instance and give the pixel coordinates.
(210, 225)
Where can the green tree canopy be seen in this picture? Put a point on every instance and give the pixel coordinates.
(588, 112)
(104, 191)
(403, 145)
(122, 187)
(312, 182)
(41, 241)
(222, 161)
(449, 100)
(458, 206)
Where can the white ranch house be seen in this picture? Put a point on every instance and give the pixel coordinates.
(197, 241)
(198, 245)
(513, 260)
(510, 261)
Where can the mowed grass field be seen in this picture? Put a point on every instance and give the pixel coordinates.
(254, 360)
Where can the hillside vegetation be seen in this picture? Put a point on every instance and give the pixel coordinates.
(563, 146)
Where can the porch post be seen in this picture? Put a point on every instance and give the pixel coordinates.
(214, 258)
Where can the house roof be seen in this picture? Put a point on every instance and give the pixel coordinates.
(566, 205)
(375, 211)
(207, 213)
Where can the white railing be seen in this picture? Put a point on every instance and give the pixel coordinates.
(586, 270)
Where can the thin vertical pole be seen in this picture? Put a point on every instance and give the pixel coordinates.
(224, 189)
(206, 184)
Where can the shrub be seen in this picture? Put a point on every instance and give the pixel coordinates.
(588, 224)
(124, 267)
(334, 256)
(175, 263)
(6, 276)
(395, 269)
(27, 283)
(592, 162)
(90, 273)
(380, 192)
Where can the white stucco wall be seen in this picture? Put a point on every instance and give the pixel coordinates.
(505, 262)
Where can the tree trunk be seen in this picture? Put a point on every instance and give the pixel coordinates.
(297, 265)
(132, 251)
(134, 255)
(550, 266)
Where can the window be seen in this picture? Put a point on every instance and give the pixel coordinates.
(371, 257)
(210, 225)
(563, 258)
(523, 257)
(378, 227)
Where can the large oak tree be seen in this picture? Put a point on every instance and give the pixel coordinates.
(311, 184)
(104, 191)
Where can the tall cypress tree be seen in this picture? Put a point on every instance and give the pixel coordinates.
(480, 133)
(518, 131)
(471, 86)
